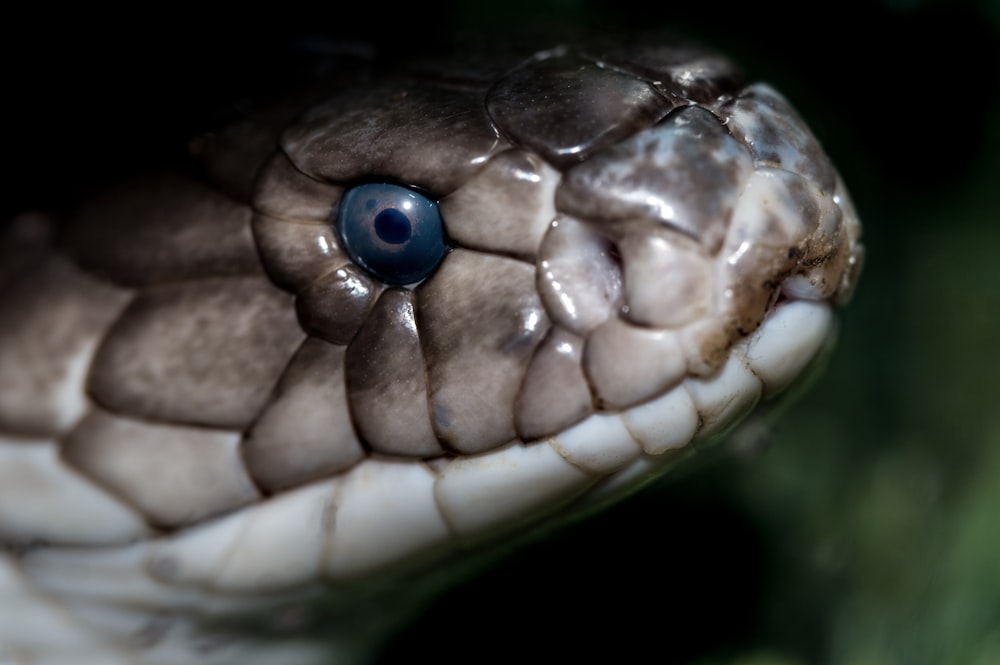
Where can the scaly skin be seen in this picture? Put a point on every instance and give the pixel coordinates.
(221, 440)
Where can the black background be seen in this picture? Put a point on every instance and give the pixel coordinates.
(901, 93)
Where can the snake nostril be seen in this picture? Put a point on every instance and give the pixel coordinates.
(580, 275)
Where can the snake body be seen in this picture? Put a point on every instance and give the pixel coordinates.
(215, 424)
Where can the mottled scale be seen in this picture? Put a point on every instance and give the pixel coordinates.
(176, 475)
(293, 253)
(565, 108)
(777, 209)
(335, 305)
(705, 343)
(284, 192)
(305, 431)
(682, 73)
(387, 380)
(648, 176)
(431, 137)
(480, 320)
(765, 121)
(505, 208)
(783, 224)
(555, 393)
(163, 227)
(669, 279)
(51, 321)
(205, 352)
(627, 364)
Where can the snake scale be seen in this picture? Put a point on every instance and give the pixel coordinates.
(381, 326)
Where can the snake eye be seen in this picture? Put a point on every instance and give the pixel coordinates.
(393, 232)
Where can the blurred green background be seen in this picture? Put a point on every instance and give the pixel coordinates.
(867, 530)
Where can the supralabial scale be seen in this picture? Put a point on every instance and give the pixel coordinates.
(371, 332)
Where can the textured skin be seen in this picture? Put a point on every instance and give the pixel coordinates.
(207, 410)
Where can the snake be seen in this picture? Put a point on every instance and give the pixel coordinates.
(380, 326)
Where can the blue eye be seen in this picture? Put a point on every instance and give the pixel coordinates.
(392, 232)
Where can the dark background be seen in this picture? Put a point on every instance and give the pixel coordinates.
(866, 531)
(902, 89)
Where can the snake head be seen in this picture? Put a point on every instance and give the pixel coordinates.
(461, 300)
(616, 221)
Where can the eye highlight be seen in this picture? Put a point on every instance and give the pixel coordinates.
(392, 232)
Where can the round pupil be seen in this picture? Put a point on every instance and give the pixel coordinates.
(392, 226)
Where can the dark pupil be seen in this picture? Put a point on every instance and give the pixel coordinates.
(392, 226)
